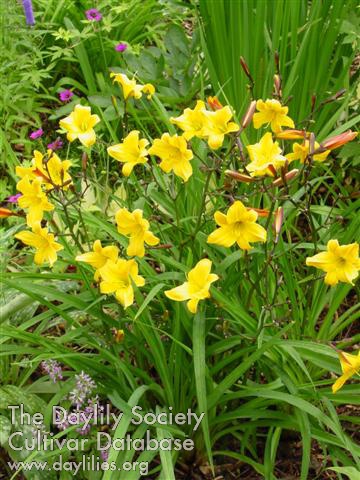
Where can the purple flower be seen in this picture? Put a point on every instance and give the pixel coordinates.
(28, 10)
(53, 369)
(14, 198)
(93, 15)
(65, 95)
(83, 389)
(36, 134)
(104, 455)
(121, 47)
(56, 145)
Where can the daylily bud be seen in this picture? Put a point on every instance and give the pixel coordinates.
(262, 212)
(214, 103)
(249, 114)
(84, 160)
(272, 170)
(277, 85)
(311, 143)
(5, 213)
(334, 97)
(279, 218)
(313, 101)
(240, 177)
(337, 141)
(287, 177)
(246, 68)
(39, 173)
(292, 134)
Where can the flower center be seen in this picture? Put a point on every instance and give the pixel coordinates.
(238, 227)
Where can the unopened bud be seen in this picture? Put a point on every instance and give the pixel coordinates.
(262, 212)
(249, 114)
(214, 103)
(337, 141)
(279, 218)
(246, 69)
(313, 102)
(84, 160)
(292, 134)
(334, 97)
(272, 170)
(240, 177)
(277, 85)
(311, 143)
(287, 177)
(5, 213)
(41, 174)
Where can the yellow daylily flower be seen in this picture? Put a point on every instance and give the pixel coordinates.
(238, 225)
(130, 152)
(301, 152)
(174, 154)
(34, 199)
(129, 87)
(117, 277)
(350, 365)
(192, 121)
(79, 124)
(137, 228)
(99, 256)
(44, 243)
(197, 287)
(263, 154)
(271, 111)
(49, 169)
(149, 90)
(340, 262)
(218, 125)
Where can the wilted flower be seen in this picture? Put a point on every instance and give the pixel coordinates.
(44, 243)
(264, 154)
(197, 286)
(271, 111)
(99, 256)
(237, 226)
(340, 262)
(118, 277)
(13, 198)
(53, 369)
(36, 134)
(55, 145)
(137, 228)
(65, 95)
(79, 124)
(121, 47)
(131, 152)
(350, 365)
(174, 154)
(93, 15)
